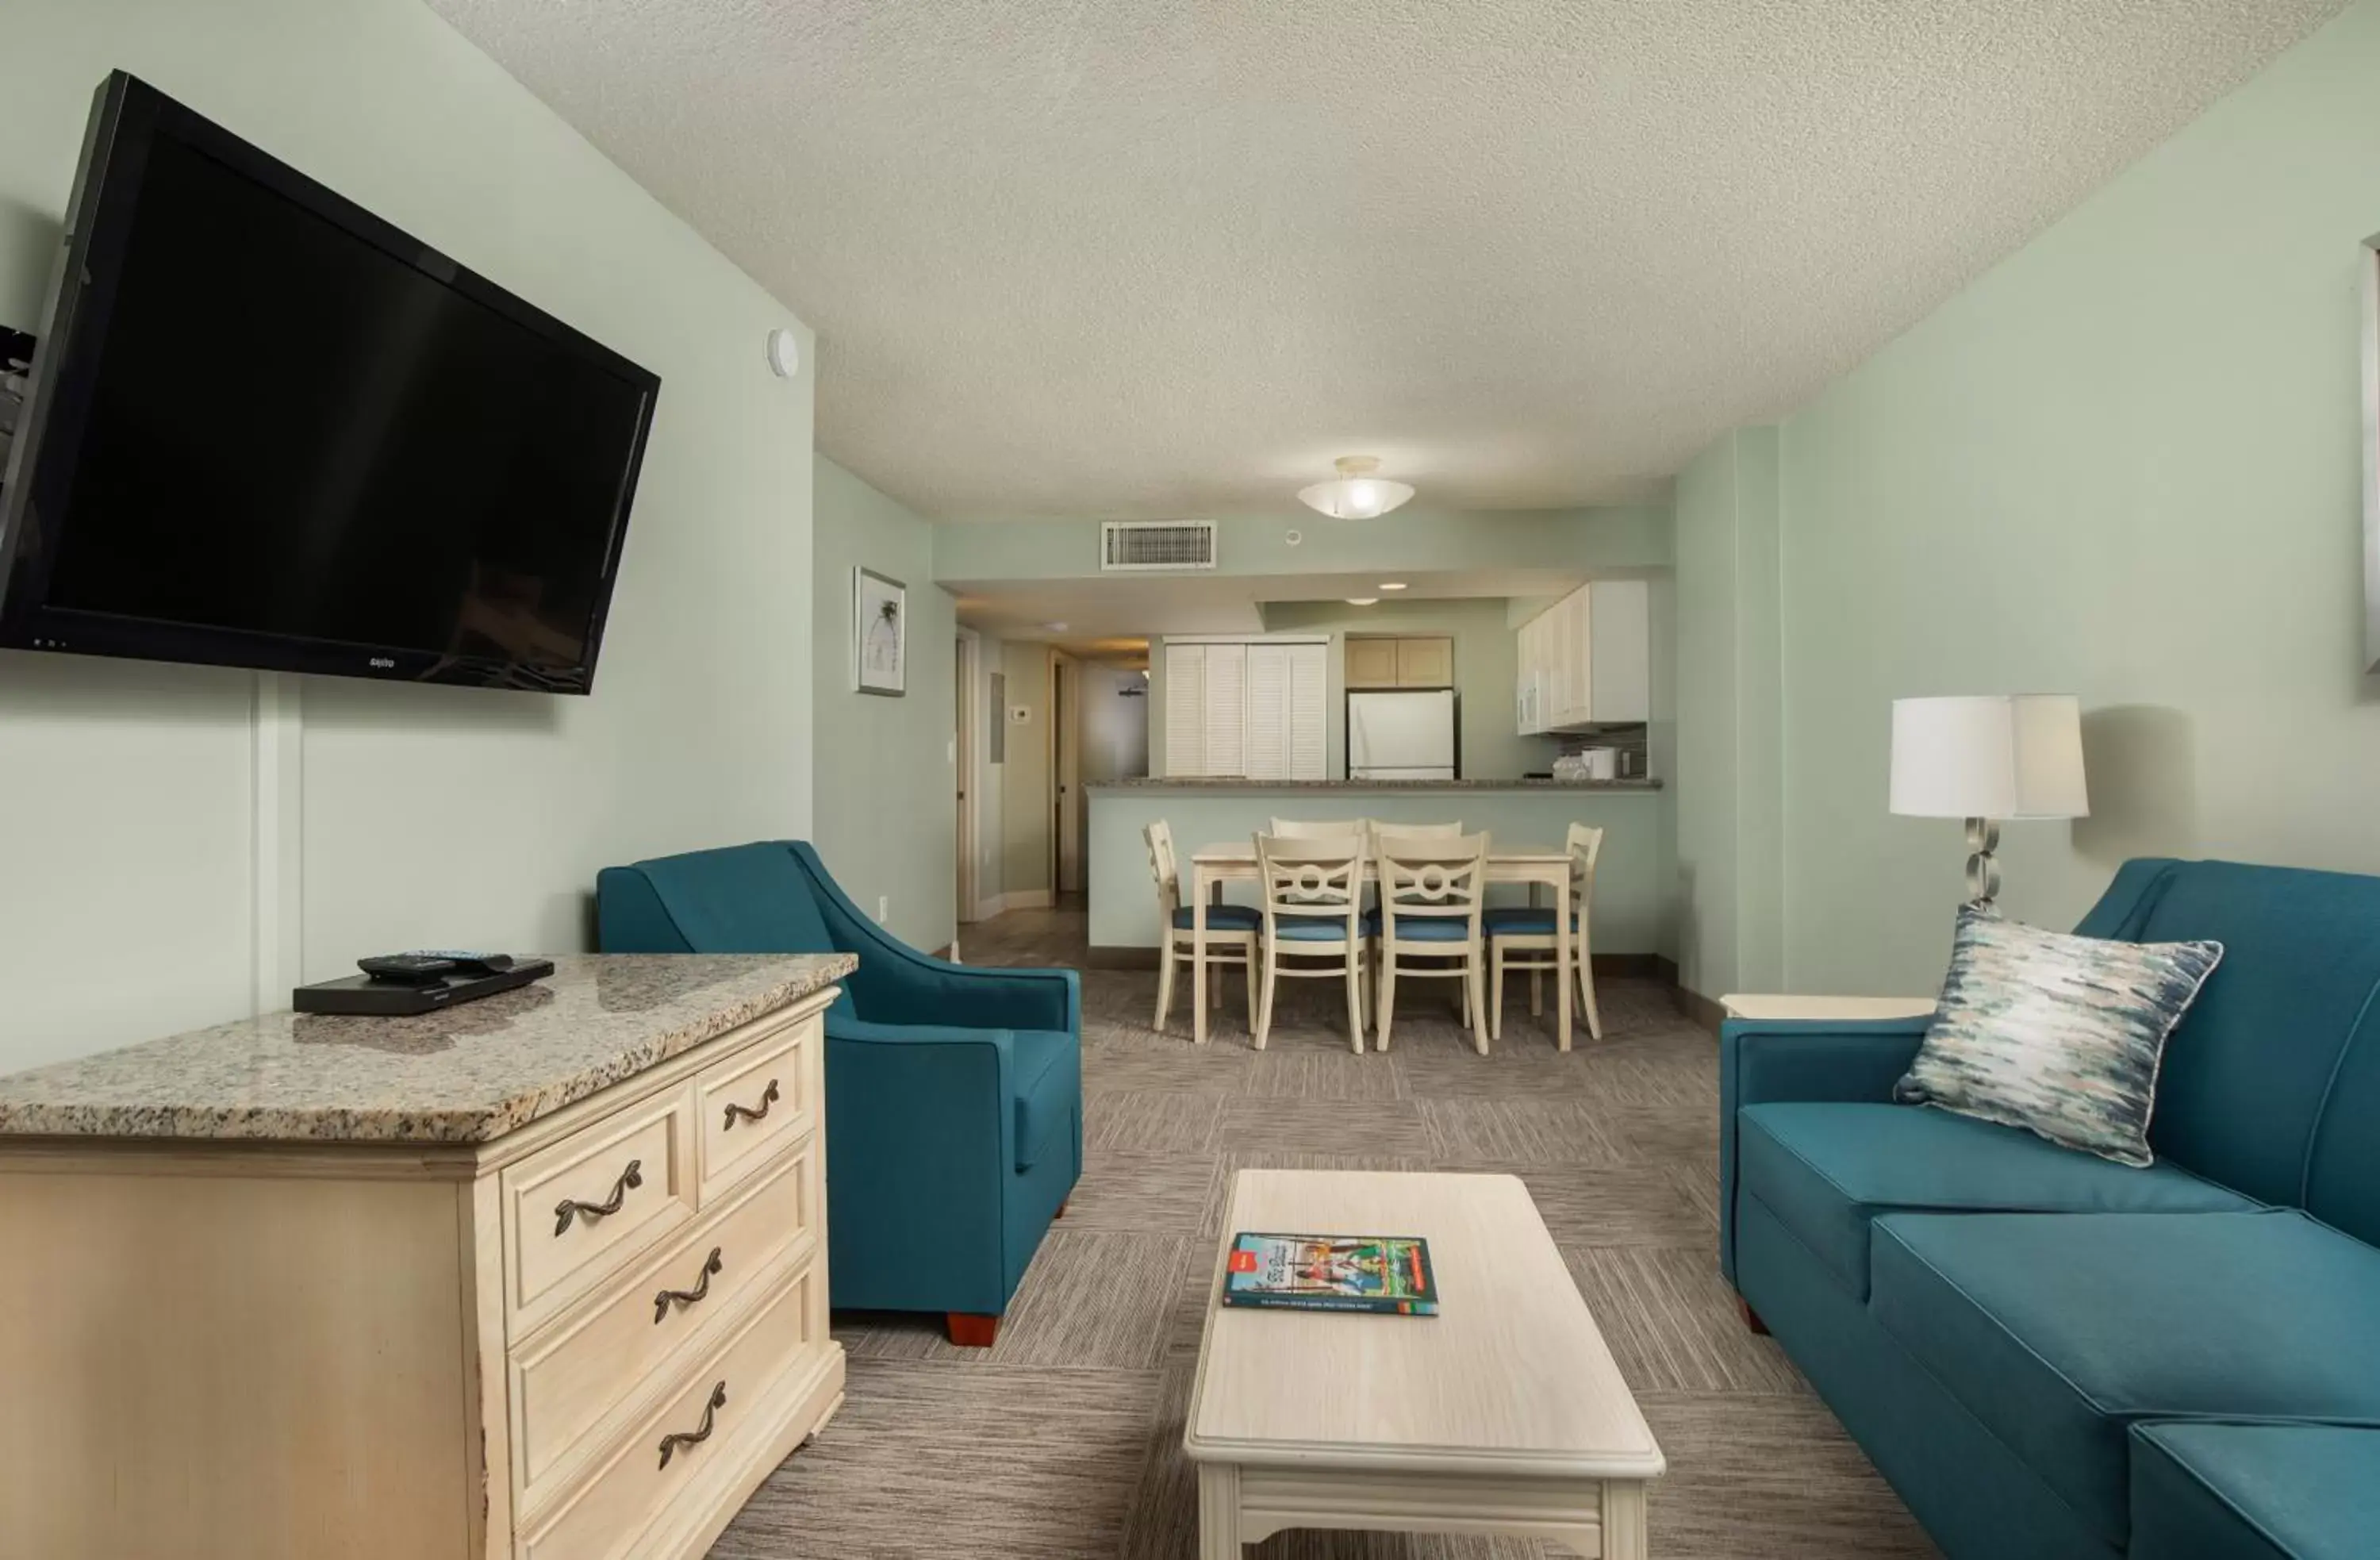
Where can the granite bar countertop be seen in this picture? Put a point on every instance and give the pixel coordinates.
(460, 1074)
(1202, 783)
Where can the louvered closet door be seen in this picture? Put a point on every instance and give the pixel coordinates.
(1265, 726)
(1308, 705)
(1185, 708)
(1227, 667)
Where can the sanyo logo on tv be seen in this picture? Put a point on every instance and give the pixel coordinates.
(382, 663)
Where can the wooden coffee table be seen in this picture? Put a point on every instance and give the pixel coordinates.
(1502, 1414)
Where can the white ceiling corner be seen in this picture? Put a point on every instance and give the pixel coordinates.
(1165, 258)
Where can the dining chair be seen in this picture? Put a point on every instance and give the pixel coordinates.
(1530, 929)
(1312, 910)
(1231, 929)
(1432, 890)
(1330, 828)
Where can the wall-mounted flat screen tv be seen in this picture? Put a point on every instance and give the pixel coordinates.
(267, 428)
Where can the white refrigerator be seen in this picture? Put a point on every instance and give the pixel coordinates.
(1400, 736)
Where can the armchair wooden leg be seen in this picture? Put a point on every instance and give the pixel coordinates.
(971, 1332)
(1061, 1211)
(1752, 1317)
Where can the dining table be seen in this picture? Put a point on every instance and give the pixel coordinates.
(1211, 866)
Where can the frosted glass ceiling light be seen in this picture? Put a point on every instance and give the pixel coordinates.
(1355, 494)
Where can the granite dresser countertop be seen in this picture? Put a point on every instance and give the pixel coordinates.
(461, 1074)
(1198, 783)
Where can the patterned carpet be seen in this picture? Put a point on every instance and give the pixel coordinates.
(1064, 1440)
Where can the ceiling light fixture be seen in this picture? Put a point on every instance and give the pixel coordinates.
(1355, 494)
(1363, 601)
(1392, 584)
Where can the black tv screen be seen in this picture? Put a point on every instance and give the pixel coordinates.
(267, 428)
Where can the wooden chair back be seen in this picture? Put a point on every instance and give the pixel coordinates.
(1164, 869)
(1585, 844)
(1293, 828)
(1432, 877)
(1312, 876)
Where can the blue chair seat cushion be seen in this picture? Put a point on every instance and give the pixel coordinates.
(1316, 929)
(1422, 929)
(2205, 1490)
(2058, 1333)
(1222, 918)
(1048, 1082)
(1522, 920)
(1827, 1169)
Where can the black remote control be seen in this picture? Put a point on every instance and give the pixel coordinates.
(409, 969)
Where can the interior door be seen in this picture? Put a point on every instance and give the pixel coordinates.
(1066, 772)
(962, 772)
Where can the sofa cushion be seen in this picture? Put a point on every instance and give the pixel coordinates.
(1825, 1169)
(1048, 1081)
(2060, 1035)
(2247, 1069)
(2058, 1332)
(2254, 1492)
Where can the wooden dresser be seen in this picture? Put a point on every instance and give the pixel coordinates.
(542, 1277)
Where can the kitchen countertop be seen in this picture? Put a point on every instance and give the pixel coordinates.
(1198, 783)
(461, 1074)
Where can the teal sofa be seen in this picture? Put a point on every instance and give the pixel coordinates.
(2050, 1354)
(953, 1094)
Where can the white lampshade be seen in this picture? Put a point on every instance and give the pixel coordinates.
(1355, 494)
(1994, 756)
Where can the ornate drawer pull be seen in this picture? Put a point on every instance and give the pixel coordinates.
(670, 1443)
(686, 1297)
(634, 1175)
(768, 1098)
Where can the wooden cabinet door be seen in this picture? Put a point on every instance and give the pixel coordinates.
(1530, 693)
(1620, 653)
(1371, 661)
(1574, 654)
(1426, 663)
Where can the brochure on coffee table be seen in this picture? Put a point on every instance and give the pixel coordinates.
(1388, 1274)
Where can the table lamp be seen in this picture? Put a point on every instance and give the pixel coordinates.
(1987, 759)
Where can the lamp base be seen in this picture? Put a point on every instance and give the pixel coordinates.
(1982, 868)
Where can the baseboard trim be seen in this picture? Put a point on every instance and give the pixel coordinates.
(1027, 899)
(1705, 1013)
(1122, 958)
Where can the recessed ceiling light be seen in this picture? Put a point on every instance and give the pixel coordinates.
(1363, 601)
(1392, 584)
(1055, 627)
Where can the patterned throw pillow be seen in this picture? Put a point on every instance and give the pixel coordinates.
(2058, 1035)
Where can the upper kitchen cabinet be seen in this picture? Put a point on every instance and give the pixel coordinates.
(1587, 659)
(1400, 661)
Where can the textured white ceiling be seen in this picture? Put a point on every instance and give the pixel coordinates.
(1149, 257)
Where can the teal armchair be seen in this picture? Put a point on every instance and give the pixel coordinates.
(953, 1094)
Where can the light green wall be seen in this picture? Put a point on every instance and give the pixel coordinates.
(1487, 665)
(1414, 538)
(885, 819)
(1729, 828)
(2124, 463)
(135, 826)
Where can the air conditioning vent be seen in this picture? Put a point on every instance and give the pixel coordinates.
(1156, 544)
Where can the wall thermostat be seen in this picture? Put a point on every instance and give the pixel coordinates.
(785, 353)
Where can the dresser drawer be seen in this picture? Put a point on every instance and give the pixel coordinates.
(726, 1391)
(752, 1104)
(582, 1208)
(568, 1377)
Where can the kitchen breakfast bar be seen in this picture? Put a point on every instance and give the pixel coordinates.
(1525, 818)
